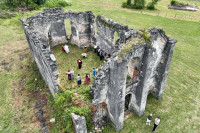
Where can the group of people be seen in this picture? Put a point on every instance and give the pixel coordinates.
(101, 53)
(71, 77)
(157, 121)
(70, 74)
(87, 79)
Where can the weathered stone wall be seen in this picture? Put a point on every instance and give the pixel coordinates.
(50, 24)
(111, 86)
(105, 33)
(43, 58)
(184, 7)
(47, 29)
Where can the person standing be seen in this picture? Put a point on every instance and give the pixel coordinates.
(79, 63)
(149, 118)
(95, 48)
(104, 55)
(94, 71)
(79, 79)
(86, 78)
(101, 55)
(98, 51)
(72, 74)
(157, 121)
(69, 75)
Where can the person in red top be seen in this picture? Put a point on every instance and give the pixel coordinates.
(79, 63)
(86, 78)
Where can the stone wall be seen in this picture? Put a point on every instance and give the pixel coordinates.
(186, 7)
(43, 58)
(47, 29)
(50, 24)
(106, 29)
(111, 86)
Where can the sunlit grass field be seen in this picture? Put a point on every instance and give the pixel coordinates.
(179, 109)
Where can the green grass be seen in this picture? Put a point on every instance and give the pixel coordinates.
(67, 62)
(179, 108)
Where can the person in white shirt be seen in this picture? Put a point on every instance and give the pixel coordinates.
(66, 48)
(96, 70)
(157, 121)
(79, 79)
(72, 74)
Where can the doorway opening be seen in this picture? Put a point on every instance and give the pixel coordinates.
(127, 101)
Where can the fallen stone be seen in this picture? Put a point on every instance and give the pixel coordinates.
(79, 123)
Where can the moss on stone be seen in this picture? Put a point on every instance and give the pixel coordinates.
(128, 47)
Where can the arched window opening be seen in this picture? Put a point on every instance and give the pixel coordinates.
(68, 28)
(115, 38)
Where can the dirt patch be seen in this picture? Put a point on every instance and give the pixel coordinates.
(5, 65)
(31, 107)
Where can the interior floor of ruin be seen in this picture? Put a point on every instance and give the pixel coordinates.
(68, 61)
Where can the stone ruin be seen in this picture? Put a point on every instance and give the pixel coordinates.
(138, 65)
(186, 7)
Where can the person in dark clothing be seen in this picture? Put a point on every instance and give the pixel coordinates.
(157, 121)
(79, 63)
(88, 77)
(104, 55)
(149, 118)
(101, 55)
(69, 75)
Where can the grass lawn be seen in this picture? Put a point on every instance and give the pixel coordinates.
(179, 109)
(67, 62)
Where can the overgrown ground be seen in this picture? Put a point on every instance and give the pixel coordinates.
(179, 108)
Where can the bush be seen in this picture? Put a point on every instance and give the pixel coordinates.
(128, 2)
(63, 107)
(139, 4)
(174, 3)
(56, 3)
(151, 5)
(33, 4)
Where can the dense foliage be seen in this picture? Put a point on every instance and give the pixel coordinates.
(151, 5)
(33, 4)
(64, 106)
(139, 4)
(177, 3)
